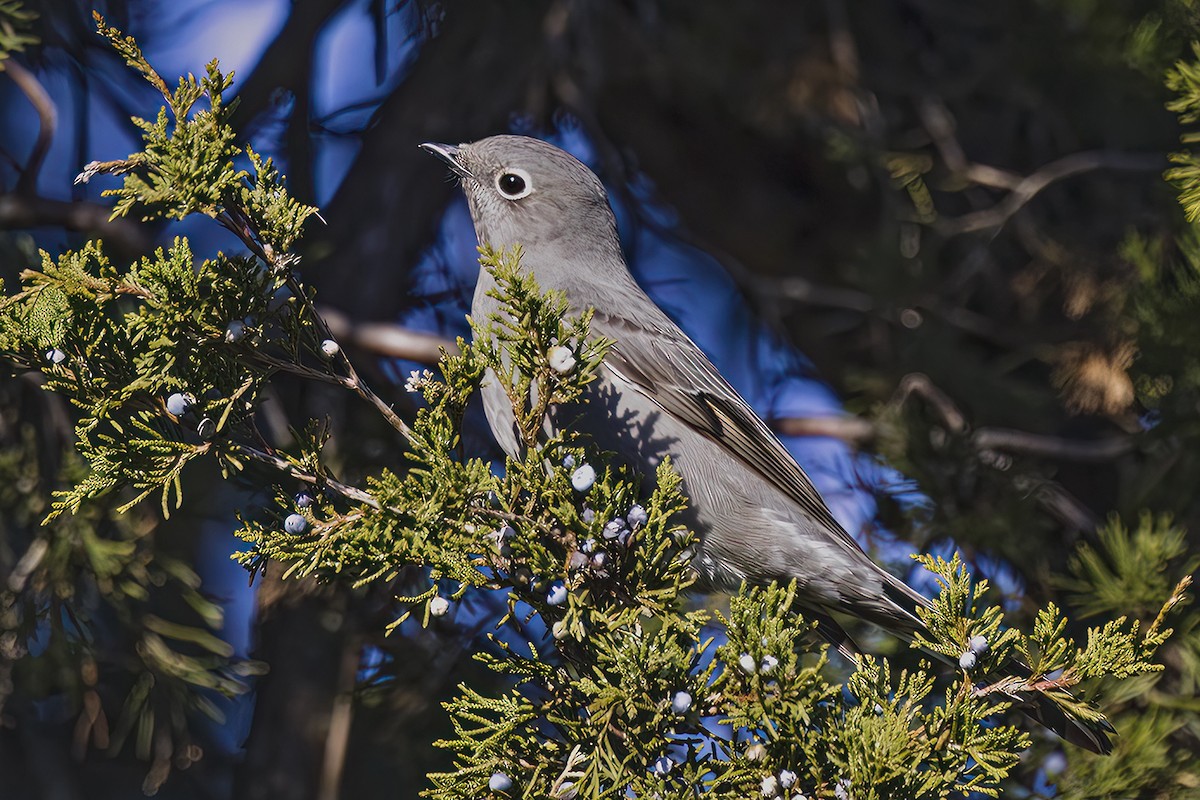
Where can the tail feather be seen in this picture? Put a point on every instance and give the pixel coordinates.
(1091, 736)
(902, 621)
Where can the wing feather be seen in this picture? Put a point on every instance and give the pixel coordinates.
(669, 369)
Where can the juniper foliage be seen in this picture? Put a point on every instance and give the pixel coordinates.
(630, 695)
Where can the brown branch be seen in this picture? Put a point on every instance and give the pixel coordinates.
(1013, 441)
(1028, 187)
(235, 221)
(387, 339)
(37, 95)
(940, 125)
(19, 211)
(854, 430)
(283, 465)
(337, 738)
(918, 384)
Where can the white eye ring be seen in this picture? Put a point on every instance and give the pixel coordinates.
(513, 183)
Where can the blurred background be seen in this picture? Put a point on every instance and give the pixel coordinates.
(930, 242)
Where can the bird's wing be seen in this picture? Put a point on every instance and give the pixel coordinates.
(669, 369)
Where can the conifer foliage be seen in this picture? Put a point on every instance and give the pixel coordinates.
(165, 362)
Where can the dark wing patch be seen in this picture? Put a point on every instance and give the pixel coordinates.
(673, 372)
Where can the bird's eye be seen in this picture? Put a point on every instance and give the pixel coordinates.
(514, 183)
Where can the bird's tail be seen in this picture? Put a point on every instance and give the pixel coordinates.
(1091, 736)
(903, 621)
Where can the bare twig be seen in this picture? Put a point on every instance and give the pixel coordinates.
(387, 339)
(283, 465)
(234, 221)
(939, 123)
(854, 430)
(337, 738)
(1036, 444)
(37, 95)
(918, 384)
(857, 431)
(19, 211)
(1025, 189)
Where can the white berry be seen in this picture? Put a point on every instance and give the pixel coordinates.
(967, 660)
(330, 348)
(438, 606)
(499, 782)
(235, 331)
(179, 404)
(295, 524)
(681, 702)
(562, 360)
(583, 477)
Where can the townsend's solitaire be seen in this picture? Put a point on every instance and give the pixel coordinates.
(757, 513)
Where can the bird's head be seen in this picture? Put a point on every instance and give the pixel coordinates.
(528, 192)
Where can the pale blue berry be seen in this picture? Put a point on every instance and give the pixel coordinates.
(499, 782)
(589, 516)
(179, 404)
(55, 356)
(979, 644)
(588, 546)
(577, 560)
(787, 778)
(569, 461)
(295, 524)
(769, 786)
(304, 500)
(747, 663)
(438, 606)
(769, 663)
(583, 477)
(681, 702)
(599, 560)
(562, 360)
(663, 765)
(967, 660)
(613, 528)
(557, 594)
(637, 517)
(235, 331)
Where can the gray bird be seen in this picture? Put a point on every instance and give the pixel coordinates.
(757, 513)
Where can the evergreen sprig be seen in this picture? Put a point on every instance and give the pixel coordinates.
(627, 695)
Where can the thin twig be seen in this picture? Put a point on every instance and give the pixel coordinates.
(304, 476)
(1036, 444)
(234, 220)
(918, 384)
(853, 430)
(388, 339)
(18, 211)
(37, 95)
(1028, 187)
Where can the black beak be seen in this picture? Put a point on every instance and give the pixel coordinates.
(450, 154)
